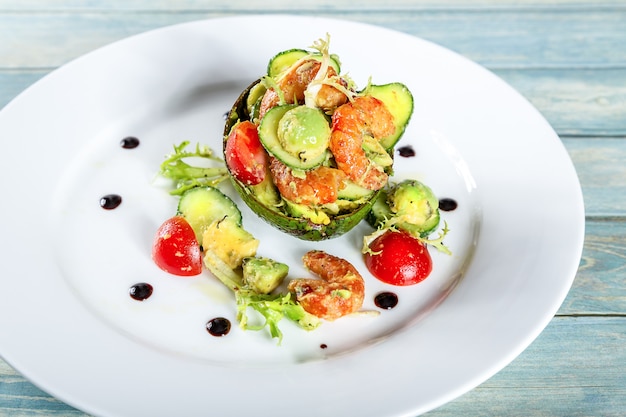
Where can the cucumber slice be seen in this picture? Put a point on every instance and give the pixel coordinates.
(285, 59)
(268, 134)
(399, 102)
(201, 206)
(353, 192)
(380, 211)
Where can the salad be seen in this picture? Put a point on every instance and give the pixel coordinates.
(307, 150)
(313, 156)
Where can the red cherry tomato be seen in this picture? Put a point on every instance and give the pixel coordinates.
(397, 258)
(245, 156)
(176, 249)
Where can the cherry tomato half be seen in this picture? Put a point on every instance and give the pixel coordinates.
(245, 156)
(176, 249)
(397, 258)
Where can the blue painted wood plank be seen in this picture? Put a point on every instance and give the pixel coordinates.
(598, 288)
(581, 102)
(14, 82)
(599, 163)
(576, 368)
(369, 5)
(20, 398)
(497, 38)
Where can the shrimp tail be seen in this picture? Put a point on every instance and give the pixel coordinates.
(339, 292)
(351, 122)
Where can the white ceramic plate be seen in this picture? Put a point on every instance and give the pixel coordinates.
(66, 319)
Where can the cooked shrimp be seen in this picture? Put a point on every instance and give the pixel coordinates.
(340, 291)
(318, 186)
(294, 83)
(365, 115)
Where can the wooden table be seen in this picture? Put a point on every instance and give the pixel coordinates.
(567, 57)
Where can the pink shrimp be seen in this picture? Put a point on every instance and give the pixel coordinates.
(319, 186)
(365, 115)
(295, 82)
(340, 291)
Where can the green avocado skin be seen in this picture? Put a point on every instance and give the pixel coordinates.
(300, 227)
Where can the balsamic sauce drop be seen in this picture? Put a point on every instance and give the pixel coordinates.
(129, 142)
(406, 151)
(110, 201)
(447, 204)
(386, 300)
(218, 326)
(140, 291)
(323, 346)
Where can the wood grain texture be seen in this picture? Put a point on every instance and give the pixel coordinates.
(18, 397)
(598, 289)
(373, 5)
(576, 102)
(601, 171)
(571, 370)
(496, 38)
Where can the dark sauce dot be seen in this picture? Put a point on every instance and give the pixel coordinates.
(225, 115)
(129, 142)
(218, 326)
(406, 151)
(447, 204)
(386, 300)
(323, 346)
(110, 201)
(140, 291)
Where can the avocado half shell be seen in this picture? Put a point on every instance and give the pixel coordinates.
(299, 227)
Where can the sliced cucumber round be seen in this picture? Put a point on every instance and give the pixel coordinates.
(285, 59)
(353, 192)
(201, 206)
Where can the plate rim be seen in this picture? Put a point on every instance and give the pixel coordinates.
(27, 371)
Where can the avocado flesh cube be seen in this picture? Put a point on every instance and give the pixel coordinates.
(229, 242)
(263, 275)
(265, 192)
(313, 214)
